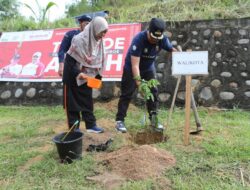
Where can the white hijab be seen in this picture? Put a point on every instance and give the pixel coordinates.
(85, 49)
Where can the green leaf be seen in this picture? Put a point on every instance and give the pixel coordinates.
(49, 5)
(29, 7)
(145, 88)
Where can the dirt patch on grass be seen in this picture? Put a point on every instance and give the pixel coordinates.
(108, 179)
(138, 163)
(112, 105)
(128, 161)
(29, 163)
(6, 139)
(60, 126)
(109, 133)
(198, 138)
(149, 137)
(242, 173)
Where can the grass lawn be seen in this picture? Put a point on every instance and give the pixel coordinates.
(219, 158)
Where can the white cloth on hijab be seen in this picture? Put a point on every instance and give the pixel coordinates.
(87, 51)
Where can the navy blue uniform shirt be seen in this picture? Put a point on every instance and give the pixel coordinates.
(66, 42)
(140, 47)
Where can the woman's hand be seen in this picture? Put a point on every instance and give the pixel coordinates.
(60, 70)
(82, 76)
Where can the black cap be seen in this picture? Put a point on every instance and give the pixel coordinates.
(83, 18)
(156, 28)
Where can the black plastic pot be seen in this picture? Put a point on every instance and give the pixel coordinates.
(70, 148)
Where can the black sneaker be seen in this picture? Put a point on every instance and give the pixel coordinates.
(120, 126)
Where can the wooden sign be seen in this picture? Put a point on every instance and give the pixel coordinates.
(190, 63)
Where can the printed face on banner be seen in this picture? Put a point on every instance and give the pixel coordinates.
(18, 50)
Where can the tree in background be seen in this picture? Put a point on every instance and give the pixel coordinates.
(78, 7)
(123, 11)
(39, 20)
(8, 9)
(40, 16)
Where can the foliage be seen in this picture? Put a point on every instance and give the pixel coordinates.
(174, 10)
(22, 24)
(18, 24)
(146, 86)
(8, 9)
(132, 11)
(79, 8)
(64, 23)
(40, 16)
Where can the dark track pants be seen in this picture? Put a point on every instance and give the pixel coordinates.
(128, 86)
(78, 103)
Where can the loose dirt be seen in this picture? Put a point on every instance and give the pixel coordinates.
(139, 162)
(148, 137)
(29, 163)
(134, 157)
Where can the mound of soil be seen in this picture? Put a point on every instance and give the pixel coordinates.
(138, 163)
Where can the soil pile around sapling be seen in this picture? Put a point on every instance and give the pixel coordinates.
(138, 163)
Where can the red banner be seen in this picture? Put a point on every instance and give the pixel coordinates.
(32, 55)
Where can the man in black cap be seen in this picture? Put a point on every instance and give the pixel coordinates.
(139, 64)
(83, 20)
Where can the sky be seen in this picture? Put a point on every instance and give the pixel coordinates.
(55, 12)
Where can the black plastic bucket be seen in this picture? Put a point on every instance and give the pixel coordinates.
(70, 148)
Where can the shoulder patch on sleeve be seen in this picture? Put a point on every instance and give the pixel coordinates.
(134, 47)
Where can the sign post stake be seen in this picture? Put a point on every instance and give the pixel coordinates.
(188, 64)
(187, 109)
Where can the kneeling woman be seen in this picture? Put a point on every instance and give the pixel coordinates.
(85, 58)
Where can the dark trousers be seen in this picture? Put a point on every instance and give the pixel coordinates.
(128, 86)
(78, 103)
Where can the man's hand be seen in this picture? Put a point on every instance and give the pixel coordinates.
(137, 80)
(60, 70)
